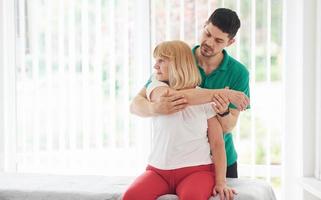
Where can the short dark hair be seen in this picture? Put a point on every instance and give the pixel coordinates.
(226, 20)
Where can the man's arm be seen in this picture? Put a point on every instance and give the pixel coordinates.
(200, 96)
(227, 113)
(228, 122)
(168, 103)
(226, 116)
(141, 106)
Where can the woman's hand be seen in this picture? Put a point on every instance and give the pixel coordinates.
(221, 103)
(225, 192)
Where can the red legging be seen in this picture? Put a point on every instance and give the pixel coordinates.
(189, 183)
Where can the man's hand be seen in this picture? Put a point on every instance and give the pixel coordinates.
(169, 103)
(225, 192)
(239, 99)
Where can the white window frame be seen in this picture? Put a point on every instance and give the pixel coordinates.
(1, 89)
(318, 94)
(293, 62)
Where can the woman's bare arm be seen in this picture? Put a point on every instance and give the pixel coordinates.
(216, 140)
(217, 145)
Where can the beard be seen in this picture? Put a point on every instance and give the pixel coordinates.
(207, 51)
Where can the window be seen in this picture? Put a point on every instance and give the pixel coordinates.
(76, 73)
(79, 63)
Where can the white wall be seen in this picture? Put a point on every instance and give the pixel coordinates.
(300, 86)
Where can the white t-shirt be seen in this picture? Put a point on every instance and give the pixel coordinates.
(180, 139)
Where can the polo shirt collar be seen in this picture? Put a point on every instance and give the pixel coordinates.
(223, 65)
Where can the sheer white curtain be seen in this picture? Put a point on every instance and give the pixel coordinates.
(7, 86)
(70, 69)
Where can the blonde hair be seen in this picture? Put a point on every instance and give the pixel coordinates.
(182, 71)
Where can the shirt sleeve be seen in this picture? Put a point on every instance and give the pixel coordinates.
(154, 83)
(209, 110)
(148, 81)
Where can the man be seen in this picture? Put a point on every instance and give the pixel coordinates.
(218, 71)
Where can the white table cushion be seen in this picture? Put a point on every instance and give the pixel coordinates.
(56, 187)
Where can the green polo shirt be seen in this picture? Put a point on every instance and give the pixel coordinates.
(230, 73)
